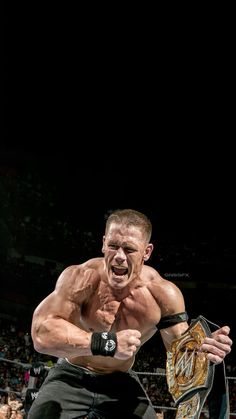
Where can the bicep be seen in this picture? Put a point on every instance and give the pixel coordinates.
(55, 306)
(61, 302)
(172, 301)
(173, 305)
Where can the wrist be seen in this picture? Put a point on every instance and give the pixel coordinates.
(103, 343)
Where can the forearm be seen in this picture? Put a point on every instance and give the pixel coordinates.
(58, 337)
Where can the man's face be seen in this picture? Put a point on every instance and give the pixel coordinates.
(125, 250)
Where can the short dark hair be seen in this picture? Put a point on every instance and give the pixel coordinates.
(131, 217)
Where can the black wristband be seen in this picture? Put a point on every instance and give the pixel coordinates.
(103, 343)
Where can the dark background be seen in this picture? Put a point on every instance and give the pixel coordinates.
(55, 209)
(92, 125)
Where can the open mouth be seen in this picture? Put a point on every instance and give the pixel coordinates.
(119, 271)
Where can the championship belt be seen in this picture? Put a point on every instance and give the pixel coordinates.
(192, 378)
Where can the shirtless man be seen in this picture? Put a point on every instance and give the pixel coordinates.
(96, 319)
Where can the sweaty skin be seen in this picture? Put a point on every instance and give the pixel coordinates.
(116, 293)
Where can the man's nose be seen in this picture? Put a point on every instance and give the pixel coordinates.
(120, 255)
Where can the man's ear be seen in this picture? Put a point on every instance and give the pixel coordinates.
(103, 244)
(148, 252)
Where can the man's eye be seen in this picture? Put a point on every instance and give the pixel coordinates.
(129, 250)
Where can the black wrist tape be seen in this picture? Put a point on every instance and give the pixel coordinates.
(104, 343)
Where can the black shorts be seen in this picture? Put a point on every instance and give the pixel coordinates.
(71, 392)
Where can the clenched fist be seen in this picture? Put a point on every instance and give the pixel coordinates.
(128, 342)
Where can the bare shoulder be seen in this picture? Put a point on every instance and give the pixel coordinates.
(78, 280)
(74, 287)
(168, 296)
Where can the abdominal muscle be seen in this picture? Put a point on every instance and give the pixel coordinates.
(102, 364)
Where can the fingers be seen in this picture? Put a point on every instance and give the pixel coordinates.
(133, 343)
(225, 330)
(218, 346)
(214, 358)
(221, 342)
(128, 343)
(133, 340)
(135, 333)
(221, 338)
(215, 348)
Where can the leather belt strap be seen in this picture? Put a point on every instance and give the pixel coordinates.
(192, 378)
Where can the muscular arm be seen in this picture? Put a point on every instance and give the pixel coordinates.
(54, 329)
(217, 347)
(171, 302)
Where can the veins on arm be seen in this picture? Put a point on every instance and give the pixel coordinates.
(55, 328)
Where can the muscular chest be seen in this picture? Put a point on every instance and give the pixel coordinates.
(97, 316)
(136, 311)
